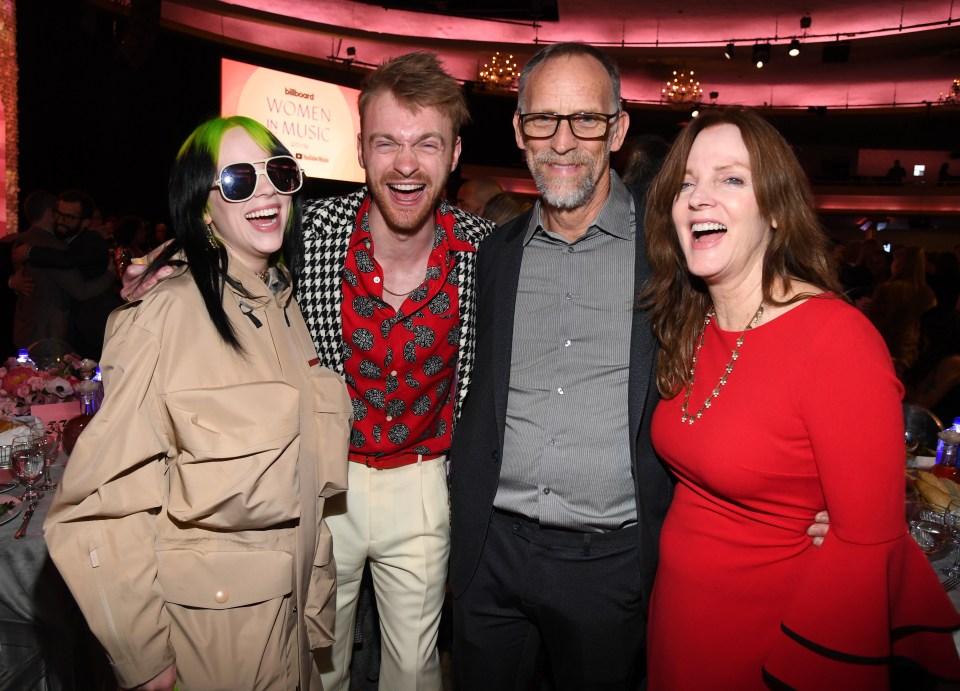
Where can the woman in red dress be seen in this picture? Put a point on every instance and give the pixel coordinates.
(780, 401)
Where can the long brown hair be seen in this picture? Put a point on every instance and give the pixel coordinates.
(798, 248)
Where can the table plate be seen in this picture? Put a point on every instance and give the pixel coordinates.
(7, 517)
(7, 480)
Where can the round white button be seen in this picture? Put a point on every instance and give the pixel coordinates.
(221, 596)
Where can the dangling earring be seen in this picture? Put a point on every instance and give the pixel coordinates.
(210, 237)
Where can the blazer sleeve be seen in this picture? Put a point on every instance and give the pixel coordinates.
(72, 282)
(101, 528)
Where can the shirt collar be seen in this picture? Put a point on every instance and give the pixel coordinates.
(613, 219)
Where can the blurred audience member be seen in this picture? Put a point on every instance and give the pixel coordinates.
(854, 276)
(505, 206)
(896, 173)
(104, 227)
(46, 294)
(474, 194)
(644, 156)
(897, 305)
(876, 261)
(85, 250)
(934, 381)
(159, 235)
(131, 238)
(944, 176)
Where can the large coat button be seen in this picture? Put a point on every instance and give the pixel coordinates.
(221, 596)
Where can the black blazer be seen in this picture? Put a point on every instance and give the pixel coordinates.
(478, 437)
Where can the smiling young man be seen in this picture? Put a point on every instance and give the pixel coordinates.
(387, 290)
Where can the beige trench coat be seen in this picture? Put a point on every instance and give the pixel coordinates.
(188, 523)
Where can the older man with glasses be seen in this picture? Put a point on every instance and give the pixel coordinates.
(557, 496)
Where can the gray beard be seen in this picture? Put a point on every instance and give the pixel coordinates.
(558, 197)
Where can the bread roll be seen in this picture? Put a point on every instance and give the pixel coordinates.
(7, 425)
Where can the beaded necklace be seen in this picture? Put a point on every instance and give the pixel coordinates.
(685, 417)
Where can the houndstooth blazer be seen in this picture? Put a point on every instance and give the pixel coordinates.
(327, 227)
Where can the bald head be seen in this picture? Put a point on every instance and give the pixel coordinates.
(474, 194)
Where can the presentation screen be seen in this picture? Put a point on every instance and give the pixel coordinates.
(316, 120)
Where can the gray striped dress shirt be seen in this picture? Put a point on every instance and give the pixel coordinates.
(566, 452)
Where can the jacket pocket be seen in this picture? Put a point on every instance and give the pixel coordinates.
(237, 463)
(332, 413)
(223, 580)
(321, 605)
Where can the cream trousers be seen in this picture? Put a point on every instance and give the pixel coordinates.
(399, 520)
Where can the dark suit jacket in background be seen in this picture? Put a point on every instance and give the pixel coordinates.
(478, 438)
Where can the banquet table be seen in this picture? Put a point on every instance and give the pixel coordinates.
(44, 641)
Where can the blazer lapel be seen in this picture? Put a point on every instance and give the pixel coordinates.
(503, 295)
(642, 342)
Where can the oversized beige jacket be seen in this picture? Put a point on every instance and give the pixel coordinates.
(188, 523)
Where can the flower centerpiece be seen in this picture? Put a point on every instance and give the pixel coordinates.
(22, 386)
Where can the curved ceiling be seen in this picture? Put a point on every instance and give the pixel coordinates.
(900, 53)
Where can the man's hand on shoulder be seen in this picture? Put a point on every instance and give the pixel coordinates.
(133, 287)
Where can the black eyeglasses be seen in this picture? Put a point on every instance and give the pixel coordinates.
(583, 125)
(69, 218)
(238, 181)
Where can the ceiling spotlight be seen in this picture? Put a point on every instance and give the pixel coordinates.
(761, 54)
(695, 113)
(351, 52)
(805, 21)
(728, 52)
(794, 48)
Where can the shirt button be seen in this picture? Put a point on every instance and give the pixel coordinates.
(570, 250)
(221, 596)
(568, 296)
(389, 418)
(376, 279)
(566, 344)
(551, 442)
(560, 391)
(546, 490)
(393, 373)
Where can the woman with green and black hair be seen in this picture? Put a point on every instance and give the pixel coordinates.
(189, 522)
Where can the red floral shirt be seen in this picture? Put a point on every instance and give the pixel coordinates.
(400, 365)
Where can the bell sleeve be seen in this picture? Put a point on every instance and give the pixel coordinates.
(868, 597)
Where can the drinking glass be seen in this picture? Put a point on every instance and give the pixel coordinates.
(951, 522)
(27, 461)
(50, 443)
(911, 438)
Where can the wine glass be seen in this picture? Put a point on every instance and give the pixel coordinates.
(951, 522)
(911, 438)
(27, 461)
(50, 443)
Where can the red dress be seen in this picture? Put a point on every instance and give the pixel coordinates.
(809, 419)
